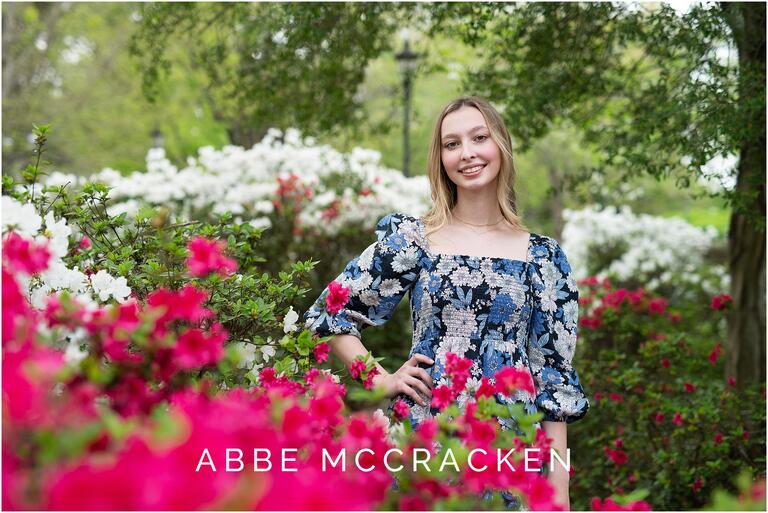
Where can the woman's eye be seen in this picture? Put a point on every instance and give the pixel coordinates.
(450, 145)
(481, 137)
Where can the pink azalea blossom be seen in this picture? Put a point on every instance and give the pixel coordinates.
(721, 302)
(207, 256)
(400, 409)
(657, 306)
(357, 368)
(368, 383)
(442, 396)
(320, 352)
(511, 379)
(337, 297)
(25, 256)
(485, 389)
(195, 348)
(713, 356)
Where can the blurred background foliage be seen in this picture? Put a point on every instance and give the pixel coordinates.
(70, 64)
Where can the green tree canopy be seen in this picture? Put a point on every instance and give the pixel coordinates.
(654, 95)
(272, 64)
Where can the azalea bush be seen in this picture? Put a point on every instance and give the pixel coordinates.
(664, 417)
(306, 202)
(99, 257)
(667, 256)
(87, 434)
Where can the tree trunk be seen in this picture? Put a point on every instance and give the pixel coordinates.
(746, 352)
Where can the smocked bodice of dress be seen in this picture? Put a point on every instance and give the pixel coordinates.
(497, 312)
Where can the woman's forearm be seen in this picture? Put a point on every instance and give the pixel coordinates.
(558, 476)
(349, 347)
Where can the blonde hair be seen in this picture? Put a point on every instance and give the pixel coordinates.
(444, 195)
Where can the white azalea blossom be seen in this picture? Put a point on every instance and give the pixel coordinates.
(23, 219)
(106, 285)
(291, 317)
(55, 235)
(73, 354)
(660, 252)
(245, 183)
(247, 353)
(267, 351)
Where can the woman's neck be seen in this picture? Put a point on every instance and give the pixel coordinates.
(478, 207)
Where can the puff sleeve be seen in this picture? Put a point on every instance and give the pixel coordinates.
(377, 280)
(552, 335)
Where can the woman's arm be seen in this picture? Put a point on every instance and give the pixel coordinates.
(409, 378)
(558, 476)
(349, 347)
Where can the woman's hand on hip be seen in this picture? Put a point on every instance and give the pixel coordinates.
(410, 379)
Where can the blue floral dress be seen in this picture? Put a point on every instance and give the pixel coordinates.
(495, 311)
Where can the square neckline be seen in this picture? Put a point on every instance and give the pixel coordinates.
(429, 251)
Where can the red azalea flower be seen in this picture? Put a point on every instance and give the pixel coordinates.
(185, 304)
(689, 387)
(311, 375)
(510, 379)
(745, 435)
(400, 409)
(85, 243)
(412, 503)
(697, 485)
(616, 398)
(721, 301)
(677, 420)
(207, 256)
(368, 383)
(715, 353)
(659, 418)
(598, 396)
(617, 456)
(196, 348)
(337, 297)
(454, 364)
(25, 256)
(267, 375)
(665, 363)
(442, 396)
(618, 443)
(731, 381)
(657, 305)
(718, 438)
(485, 389)
(357, 368)
(675, 317)
(427, 430)
(321, 352)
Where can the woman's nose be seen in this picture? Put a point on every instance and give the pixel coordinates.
(467, 152)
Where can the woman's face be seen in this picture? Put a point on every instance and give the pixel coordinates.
(470, 157)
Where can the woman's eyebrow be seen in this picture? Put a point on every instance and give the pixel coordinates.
(478, 127)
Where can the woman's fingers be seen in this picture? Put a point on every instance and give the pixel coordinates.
(420, 358)
(418, 384)
(421, 374)
(407, 390)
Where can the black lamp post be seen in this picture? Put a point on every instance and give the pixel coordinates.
(407, 61)
(157, 138)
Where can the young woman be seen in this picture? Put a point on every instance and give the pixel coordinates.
(480, 284)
